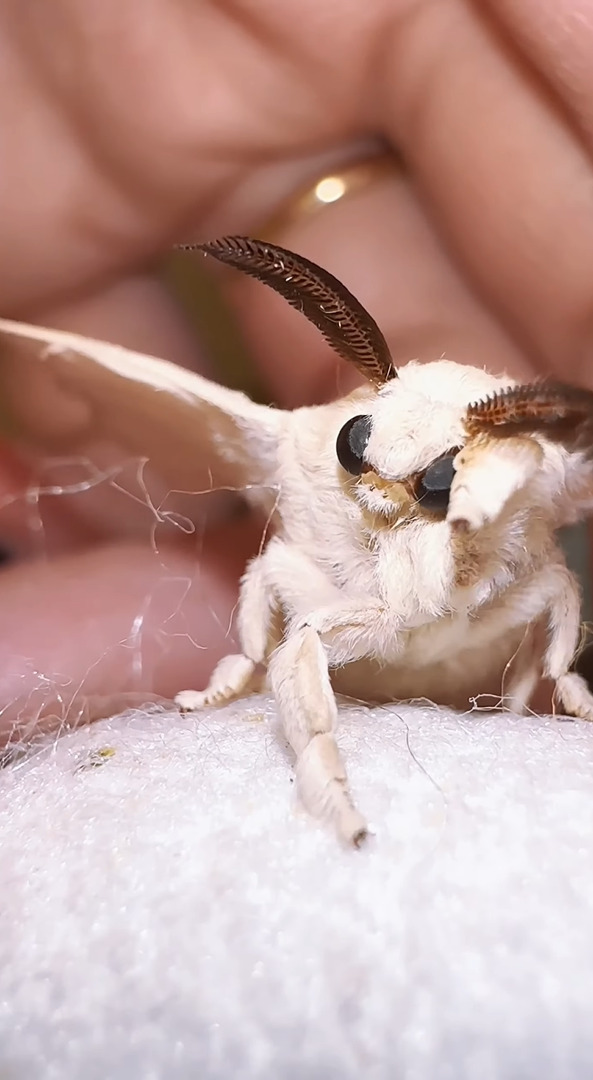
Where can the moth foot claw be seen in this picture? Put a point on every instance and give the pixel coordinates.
(232, 677)
(353, 828)
(360, 836)
(191, 700)
(574, 696)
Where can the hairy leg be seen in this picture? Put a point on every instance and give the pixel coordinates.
(571, 690)
(237, 674)
(300, 681)
(523, 672)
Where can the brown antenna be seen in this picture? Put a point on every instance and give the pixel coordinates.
(345, 324)
(559, 411)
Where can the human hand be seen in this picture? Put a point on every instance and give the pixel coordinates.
(127, 128)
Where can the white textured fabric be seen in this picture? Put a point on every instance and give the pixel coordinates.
(169, 915)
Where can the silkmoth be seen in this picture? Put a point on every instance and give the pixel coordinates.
(413, 549)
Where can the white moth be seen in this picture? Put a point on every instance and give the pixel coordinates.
(414, 550)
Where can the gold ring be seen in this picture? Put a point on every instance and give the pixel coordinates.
(327, 190)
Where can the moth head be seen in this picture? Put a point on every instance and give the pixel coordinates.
(398, 458)
(426, 490)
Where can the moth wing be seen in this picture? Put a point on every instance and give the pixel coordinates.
(56, 388)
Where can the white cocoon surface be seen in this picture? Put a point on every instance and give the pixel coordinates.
(170, 914)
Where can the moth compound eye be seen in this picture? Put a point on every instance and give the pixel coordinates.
(434, 484)
(352, 442)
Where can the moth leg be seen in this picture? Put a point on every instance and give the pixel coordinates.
(297, 581)
(237, 675)
(300, 681)
(349, 628)
(232, 677)
(488, 473)
(564, 613)
(522, 688)
(259, 620)
(525, 673)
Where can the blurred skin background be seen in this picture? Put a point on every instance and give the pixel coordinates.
(126, 128)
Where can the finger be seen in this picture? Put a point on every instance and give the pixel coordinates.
(416, 35)
(116, 620)
(504, 175)
(128, 162)
(556, 36)
(378, 242)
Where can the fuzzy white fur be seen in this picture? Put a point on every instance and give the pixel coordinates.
(360, 579)
(362, 586)
(169, 914)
